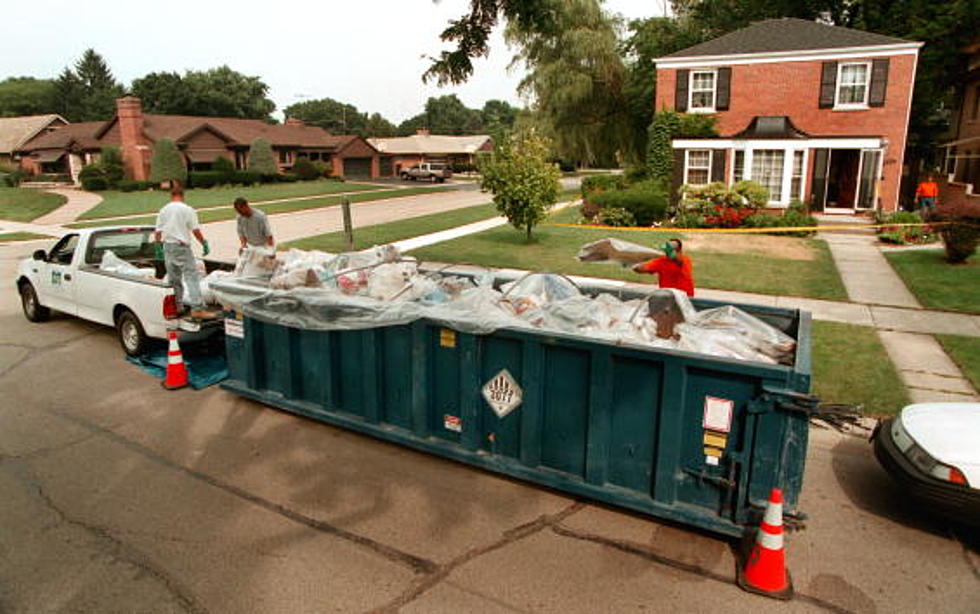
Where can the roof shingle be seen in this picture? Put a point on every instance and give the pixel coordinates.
(15, 131)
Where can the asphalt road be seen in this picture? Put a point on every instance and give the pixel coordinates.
(118, 496)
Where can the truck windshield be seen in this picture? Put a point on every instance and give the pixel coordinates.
(127, 244)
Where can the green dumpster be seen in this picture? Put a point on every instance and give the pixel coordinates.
(688, 437)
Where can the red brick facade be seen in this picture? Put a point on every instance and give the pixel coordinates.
(791, 87)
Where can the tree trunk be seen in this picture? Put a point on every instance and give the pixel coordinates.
(528, 240)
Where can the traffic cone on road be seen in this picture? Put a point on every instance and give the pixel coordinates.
(176, 369)
(765, 570)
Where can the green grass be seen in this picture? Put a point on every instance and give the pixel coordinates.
(965, 352)
(9, 237)
(116, 203)
(228, 213)
(25, 205)
(850, 365)
(938, 284)
(554, 248)
(395, 231)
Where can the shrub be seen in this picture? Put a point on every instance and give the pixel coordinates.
(688, 219)
(10, 176)
(615, 216)
(260, 158)
(306, 170)
(93, 183)
(463, 167)
(960, 238)
(636, 174)
(596, 183)
(795, 216)
(646, 201)
(901, 235)
(287, 177)
(245, 178)
(668, 125)
(205, 179)
(325, 169)
(167, 163)
(129, 185)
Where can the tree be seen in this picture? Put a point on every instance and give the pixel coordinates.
(524, 184)
(26, 96)
(472, 31)
(333, 116)
(218, 92)
(379, 126)
(577, 77)
(167, 164)
(261, 159)
(89, 91)
(497, 116)
(448, 115)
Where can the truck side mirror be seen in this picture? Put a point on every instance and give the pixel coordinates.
(40, 255)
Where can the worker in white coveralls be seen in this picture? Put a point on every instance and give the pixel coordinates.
(176, 223)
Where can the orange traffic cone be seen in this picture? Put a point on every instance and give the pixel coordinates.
(765, 570)
(176, 370)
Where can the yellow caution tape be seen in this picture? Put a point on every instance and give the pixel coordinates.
(770, 229)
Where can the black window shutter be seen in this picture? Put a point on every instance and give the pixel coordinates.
(678, 175)
(718, 165)
(818, 189)
(828, 85)
(879, 82)
(680, 90)
(723, 93)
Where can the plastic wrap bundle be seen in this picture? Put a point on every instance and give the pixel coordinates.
(112, 263)
(256, 261)
(616, 250)
(207, 293)
(760, 337)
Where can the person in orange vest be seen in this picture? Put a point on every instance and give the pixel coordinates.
(927, 193)
(674, 268)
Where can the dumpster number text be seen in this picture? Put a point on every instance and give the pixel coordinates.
(502, 393)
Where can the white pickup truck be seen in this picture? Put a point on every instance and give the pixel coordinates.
(67, 278)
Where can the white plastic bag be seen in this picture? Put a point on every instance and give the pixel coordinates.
(111, 263)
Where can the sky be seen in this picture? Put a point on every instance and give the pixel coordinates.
(369, 53)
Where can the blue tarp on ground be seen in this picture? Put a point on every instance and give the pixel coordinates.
(202, 370)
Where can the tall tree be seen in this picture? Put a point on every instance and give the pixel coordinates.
(217, 92)
(261, 159)
(333, 116)
(167, 164)
(26, 96)
(379, 126)
(87, 92)
(577, 77)
(444, 115)
(497, 116)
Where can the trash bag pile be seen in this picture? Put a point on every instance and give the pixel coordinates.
(379, 287)
(111, 263)
(616, 250)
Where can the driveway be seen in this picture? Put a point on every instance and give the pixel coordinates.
(119, 496)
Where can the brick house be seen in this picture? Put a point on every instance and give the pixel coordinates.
(814, 112)
(962, 166)
(402, 152)
(201, 140)
(15, 131)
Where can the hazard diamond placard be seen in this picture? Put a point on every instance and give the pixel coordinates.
(502, 393)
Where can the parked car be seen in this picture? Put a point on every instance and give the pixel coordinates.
(431, 171)
(68, 278)
(933, 451)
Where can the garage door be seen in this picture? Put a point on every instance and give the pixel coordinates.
(357, 167)
(386, 166)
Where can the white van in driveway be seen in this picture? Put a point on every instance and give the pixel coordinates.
(68, 278)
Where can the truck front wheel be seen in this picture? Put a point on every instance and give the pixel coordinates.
(33, 310)
(132, 337)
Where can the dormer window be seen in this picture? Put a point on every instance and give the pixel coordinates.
(702, 91)
(852, 84)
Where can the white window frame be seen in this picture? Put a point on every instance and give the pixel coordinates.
(690, 90)
(787, 180)
(837, 88)
(687, 165)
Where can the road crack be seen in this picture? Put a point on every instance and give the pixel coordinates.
(510, 536)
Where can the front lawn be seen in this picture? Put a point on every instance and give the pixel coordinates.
(936, 283)
(767, 265)
(25, 204)
(965, 352)
(116, 203)
(228, 213)
(380, 234)
(10, 237)
(850, 365)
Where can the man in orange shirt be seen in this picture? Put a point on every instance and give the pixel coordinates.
(673, 269)
(927, 193)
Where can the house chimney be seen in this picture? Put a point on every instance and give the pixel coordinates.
(294, 121)
(422, 132)
(135, 152)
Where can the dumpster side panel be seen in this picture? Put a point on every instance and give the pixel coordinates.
(397, 371)
(501, 435)
(566, 409)
(636, 387)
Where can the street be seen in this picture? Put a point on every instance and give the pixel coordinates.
(119, 496)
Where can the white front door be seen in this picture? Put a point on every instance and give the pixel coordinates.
(869, 176)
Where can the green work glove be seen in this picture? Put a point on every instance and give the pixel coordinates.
(669, 250)
(207, 248)
(158, 251)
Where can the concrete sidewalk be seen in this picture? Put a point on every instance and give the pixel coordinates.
(77, 203)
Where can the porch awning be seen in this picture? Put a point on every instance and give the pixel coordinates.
(204, 156)
(771, 127)
(48, 155)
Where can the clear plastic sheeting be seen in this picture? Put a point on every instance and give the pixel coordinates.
(617, 251)
(256, 261)
(377, 288)
(112, 263)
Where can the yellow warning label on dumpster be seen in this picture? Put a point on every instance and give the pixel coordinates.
(447, 338)
(715, 439)
(715, 452)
